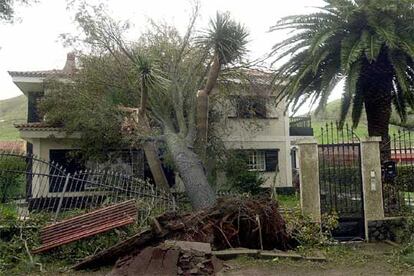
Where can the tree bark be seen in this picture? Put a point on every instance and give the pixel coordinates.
(191, 171)
(203, 106)
(202, 122)
(376, 83)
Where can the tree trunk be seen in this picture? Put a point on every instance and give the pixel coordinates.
(202, 123)
(151, 153)
(377, 87)
(191, 171)
(155, 166)
(203, 106)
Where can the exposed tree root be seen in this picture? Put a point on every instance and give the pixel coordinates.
(231, 222)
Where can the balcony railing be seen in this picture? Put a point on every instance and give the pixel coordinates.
(300, 126)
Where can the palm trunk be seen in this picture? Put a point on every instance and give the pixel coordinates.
(202, 122)
(377, 87)
(203, 106)
(191, 171)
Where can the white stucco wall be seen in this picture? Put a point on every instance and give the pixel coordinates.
(41, 149)
(269, 133)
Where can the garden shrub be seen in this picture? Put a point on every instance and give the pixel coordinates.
(308, 233)
(407, 236)
(12, 182)
(239, 178)
(405, 178)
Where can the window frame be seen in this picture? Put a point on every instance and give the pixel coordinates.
(256, 161)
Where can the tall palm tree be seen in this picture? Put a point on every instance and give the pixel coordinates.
(227, 41)
(368, 42)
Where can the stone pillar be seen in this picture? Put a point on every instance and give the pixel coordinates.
(371, 180)
(309, 178)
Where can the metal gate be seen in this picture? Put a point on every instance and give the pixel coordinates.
(397, 173)
(340, 180)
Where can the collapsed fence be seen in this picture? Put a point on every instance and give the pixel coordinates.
(30, 185)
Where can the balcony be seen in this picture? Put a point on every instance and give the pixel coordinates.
(300, 126)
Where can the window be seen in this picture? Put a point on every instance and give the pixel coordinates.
(256, 161)
(71, 162)
(32, 107)
(251, 107)
(263, 160)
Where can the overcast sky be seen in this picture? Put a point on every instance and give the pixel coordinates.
(33, 43)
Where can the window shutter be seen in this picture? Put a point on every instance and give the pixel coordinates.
(272, 161)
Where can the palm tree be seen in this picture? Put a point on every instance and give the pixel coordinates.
(227, 40)
(368, 42)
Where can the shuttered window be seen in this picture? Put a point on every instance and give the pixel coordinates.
(272, 159)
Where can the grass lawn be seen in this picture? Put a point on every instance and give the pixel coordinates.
(288, 201)
(342, 259)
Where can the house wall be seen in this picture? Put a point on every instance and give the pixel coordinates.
(271, 132)
(41, 149)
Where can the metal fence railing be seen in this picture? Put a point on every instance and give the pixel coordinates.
(30, 185)
(398, 170)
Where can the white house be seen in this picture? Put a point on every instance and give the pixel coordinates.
(250, 121)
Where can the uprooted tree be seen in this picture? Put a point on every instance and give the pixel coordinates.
(163, 69)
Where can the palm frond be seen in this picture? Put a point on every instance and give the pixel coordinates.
(226, 37)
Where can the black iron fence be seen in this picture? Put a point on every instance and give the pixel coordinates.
(31, 185)
(398, 173)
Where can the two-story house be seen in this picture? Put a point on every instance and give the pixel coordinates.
(250, 121)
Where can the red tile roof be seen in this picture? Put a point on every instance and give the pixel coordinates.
(37, 74)
(68, 69)
(41, 126)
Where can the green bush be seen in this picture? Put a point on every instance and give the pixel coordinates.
(307, 232)
(405, 179)
(12, 178)
(239, 178)
(407, 236)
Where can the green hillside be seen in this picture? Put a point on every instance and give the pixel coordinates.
(331, 114)
(13, 110)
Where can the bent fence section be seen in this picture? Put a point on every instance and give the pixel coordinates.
(29, 185)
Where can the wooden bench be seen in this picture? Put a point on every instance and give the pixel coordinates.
(87, 225)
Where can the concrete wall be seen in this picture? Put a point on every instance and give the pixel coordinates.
(371, 181)
(309, 178)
